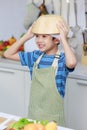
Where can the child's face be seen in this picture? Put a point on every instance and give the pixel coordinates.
(46, 43)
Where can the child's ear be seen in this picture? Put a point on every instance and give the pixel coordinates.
(56, 41)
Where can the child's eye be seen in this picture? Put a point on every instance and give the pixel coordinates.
(37, 36)
(44, 35)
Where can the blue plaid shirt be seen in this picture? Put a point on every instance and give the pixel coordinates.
(29, 58)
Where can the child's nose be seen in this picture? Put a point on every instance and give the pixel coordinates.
(40, 38)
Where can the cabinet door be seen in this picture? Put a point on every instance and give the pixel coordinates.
(27, 91)
(76, 103)
(12, 91)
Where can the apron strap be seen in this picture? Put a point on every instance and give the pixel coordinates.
(38, 60)
(55, 62)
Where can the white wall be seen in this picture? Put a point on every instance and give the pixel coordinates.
(12, 13)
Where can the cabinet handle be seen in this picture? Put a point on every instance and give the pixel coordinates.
(80, 82)
(7, 70)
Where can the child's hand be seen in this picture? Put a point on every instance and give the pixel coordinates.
(29, 33)
(62, 27)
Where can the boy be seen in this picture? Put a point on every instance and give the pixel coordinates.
(48, 67)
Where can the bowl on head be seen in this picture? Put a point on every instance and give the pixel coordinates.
(47, 24)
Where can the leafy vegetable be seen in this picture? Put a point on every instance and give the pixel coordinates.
(20, 124)
(23, 121)
(43, 122)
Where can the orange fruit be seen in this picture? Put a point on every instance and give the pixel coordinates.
(30, 127)
(12, 40)
(40, 127)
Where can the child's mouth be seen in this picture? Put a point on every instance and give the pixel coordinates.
(41, 46)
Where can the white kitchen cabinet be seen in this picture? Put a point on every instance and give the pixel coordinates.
(14, 84)
(76, 103)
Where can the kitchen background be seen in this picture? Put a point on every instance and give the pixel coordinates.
(12, 14)
(12, 18)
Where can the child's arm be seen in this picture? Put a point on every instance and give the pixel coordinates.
(12, 52)
(70, 57)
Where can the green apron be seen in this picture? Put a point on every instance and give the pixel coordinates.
(45, 100)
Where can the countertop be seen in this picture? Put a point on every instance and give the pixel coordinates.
(11, 64)
(9, 118)
(80, 71)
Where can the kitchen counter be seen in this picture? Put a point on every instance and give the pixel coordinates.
(76, 95)
(14, 80)
(79, 72)
(6, 63)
